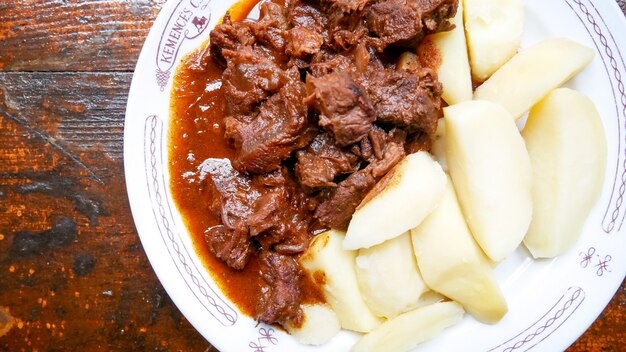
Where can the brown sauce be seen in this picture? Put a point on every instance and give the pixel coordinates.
(196, 133)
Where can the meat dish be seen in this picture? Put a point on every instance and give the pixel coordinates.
(315, 111)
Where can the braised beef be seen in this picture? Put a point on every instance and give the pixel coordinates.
(393, 153)
(306, 14)
(418, 142)
(280, 295)
(318, 115)
(405, 22)
(248, 79)
(280, 128)
(232, 195)
(271, 27)
(344, 110)
(233, 247)
(303, 41)
(322, 161)
(279, 220)
(325, 62)
(394, 22)
(406, 99)
(348, 5)
(337, 211)
(231, 36)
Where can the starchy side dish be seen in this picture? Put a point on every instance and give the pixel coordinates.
(337, 169)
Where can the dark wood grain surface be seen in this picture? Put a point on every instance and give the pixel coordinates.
(73, 274)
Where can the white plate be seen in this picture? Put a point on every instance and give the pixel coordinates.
(552, 302)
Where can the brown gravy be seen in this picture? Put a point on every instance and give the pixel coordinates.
(197, 133)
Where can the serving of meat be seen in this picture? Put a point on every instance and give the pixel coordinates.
(322, 161)
(280, 300)
(343, 108)
(315, 114)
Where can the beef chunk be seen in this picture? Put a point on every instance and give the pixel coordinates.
(303, 41)
(306, 14)
(279, 223)
(344, 110)
(272, 25)
(406, 22)
(232, 195)
(277, 178)
(345, 39)
(394, 152)
(230, 36)
(280, 128)
(347, 5)
(248, 79)
(322, 161)
(394, 22)
(324, 63)
(280, 295)
(372, 148)
(232, 247)
(435, 14)
(268, 214)
(337, 210)
(419, 141)
(407, 99)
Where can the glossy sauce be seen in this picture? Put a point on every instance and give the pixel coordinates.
(196, 133)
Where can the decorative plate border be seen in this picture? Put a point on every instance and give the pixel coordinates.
(562, 310)
(615, 74)
(155, 163)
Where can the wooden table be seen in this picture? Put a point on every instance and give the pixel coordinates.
(72, 270)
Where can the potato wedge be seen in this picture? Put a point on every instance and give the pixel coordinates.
(494, 31)
(334, 268)
(411, 191)
(453, 264)
(567, 147)
(491, 172)
(533, 73)
(388, 276)
(438, 147)
(406, 331)
(319, 325)
(454, 69)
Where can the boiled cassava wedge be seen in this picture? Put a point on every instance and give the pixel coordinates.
(491, 172)
(567, 147)
(494, 32)
(533, 73)
(333, 267)
(409, 193)
(388, 276)
(438, 147)
(453, 264)
(319, 325)
(453, 69)
(407, 330)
